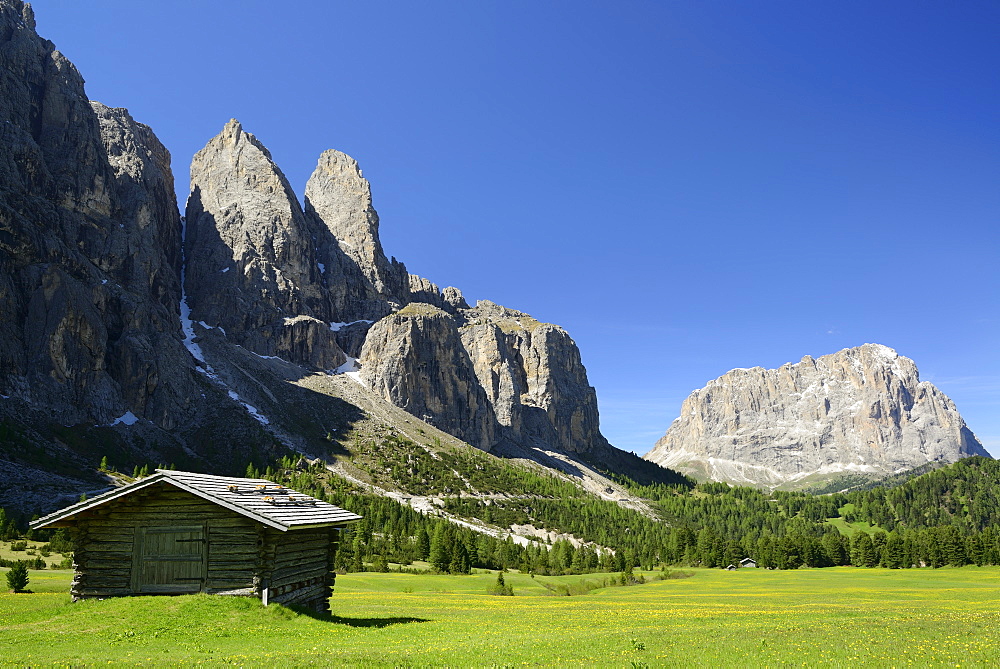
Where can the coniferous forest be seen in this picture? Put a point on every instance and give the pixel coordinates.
(945, 517)
(948, 516)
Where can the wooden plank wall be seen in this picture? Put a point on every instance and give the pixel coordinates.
(105, 539)
(302, 570)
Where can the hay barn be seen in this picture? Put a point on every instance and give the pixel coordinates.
(180, 533)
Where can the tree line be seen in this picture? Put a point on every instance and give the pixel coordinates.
(948, 516)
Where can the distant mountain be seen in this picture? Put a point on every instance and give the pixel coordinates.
(251, 327)
(861, 411)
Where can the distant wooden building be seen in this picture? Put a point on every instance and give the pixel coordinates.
(179, 533)
(748, 562)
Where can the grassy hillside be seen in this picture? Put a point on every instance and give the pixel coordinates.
(834, 617)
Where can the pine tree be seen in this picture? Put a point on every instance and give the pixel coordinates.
(556, 560)
(17, 577)
(459, 559)
(953, 546)
(833, 549)
(6, 525)
(501, 587)
(894, 555)
(440, 556)
(423, 544)
(863, 551)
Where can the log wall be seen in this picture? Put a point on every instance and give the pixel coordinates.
(301, 572)
(243, 557)
(105, 537)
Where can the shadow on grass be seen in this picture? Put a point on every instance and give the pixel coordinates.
(359, 622)
(373, 622)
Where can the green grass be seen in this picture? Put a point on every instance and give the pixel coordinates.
(850, 529)
(841, 617)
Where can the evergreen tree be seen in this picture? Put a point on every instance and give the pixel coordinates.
(440, 555)
(357, 552)
(878, 546)
(17, 577)
(894, 556)
(557, 560)
(732, 553)
(706, 553)
(788, 552)
(975, 551)
(501, 587)
(953, 546)
(863, 551)
(459, 559)
(423, 544)
(6, 526)
(812, 552)
(833, 548)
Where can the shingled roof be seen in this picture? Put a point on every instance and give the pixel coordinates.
(258, 499)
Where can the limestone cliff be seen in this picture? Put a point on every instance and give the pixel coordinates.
(130, 335)
(89, 250)
(303, 285)
(450, 299)
(339, 198)
(252, 266)
(415, 359)
(91, 355)
(861, 410)
(534, 378)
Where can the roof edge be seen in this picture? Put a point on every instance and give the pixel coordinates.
(87, 504)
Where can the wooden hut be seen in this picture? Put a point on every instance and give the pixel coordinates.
(179, 533)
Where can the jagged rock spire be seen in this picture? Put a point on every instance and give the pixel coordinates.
(340, 199)
(252, 265)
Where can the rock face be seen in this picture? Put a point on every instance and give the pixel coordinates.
(127, 333)
(534, 378)
(489, 375)
(252, 266)
(415, 359)
(340, 199)
(275, 277)
(91, 355)
(861, 410)
(89, 245)
(450, 299)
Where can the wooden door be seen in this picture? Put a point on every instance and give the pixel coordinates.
(169, 559)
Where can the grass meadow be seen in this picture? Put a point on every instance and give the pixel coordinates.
(838, 617)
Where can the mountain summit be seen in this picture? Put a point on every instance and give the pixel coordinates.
(861, 410)
(234, 335)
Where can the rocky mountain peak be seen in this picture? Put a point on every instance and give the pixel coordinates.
(252, 266)
(89, 245)
(860, 410)
(28, 16)
(422, 290)
(340, 199)
(219, 338)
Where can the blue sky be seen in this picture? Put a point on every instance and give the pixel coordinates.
(686, 187)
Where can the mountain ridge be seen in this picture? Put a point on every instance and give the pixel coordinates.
(215, 339)
(861, 410)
